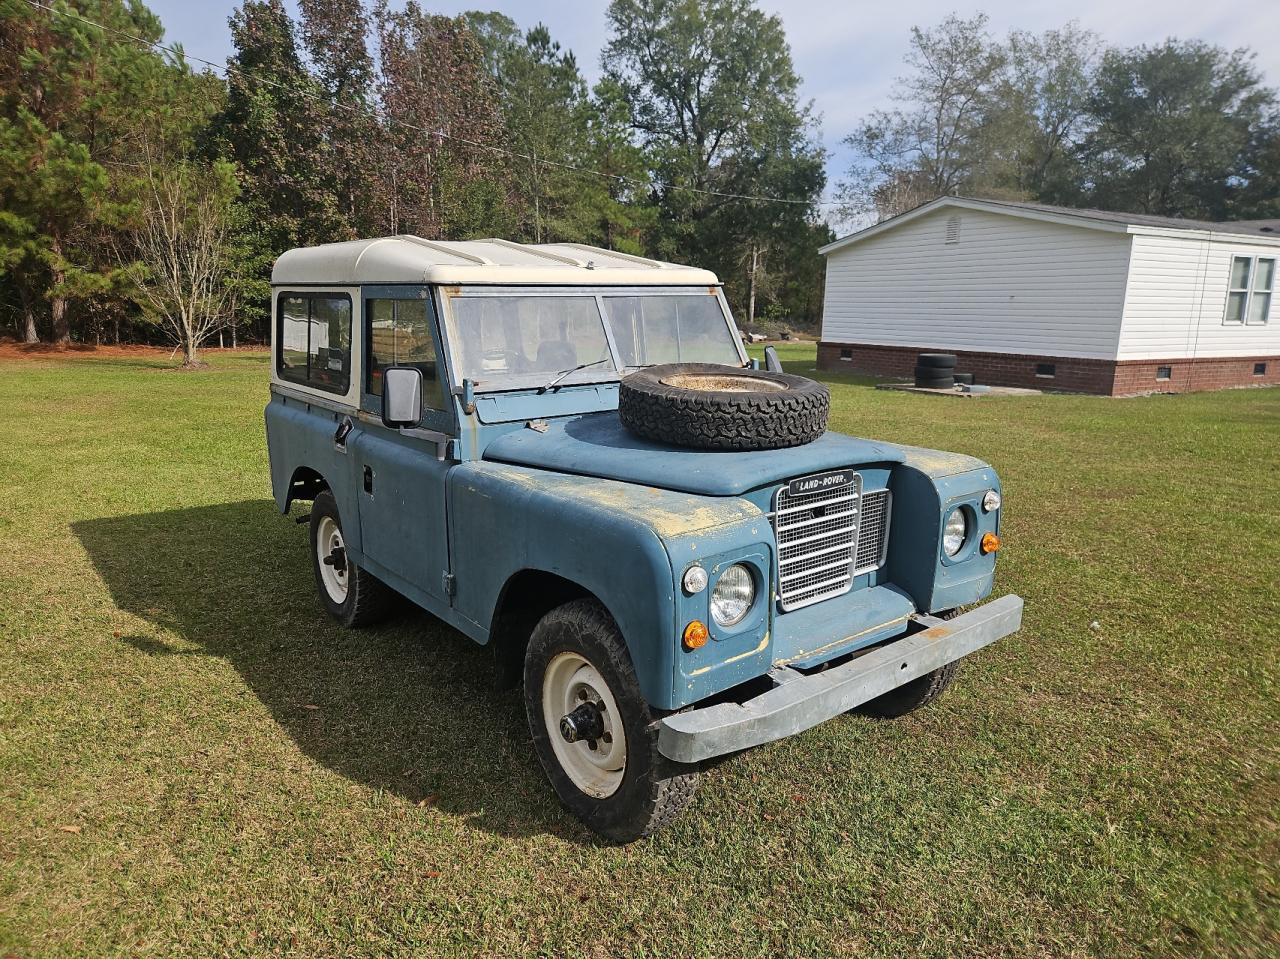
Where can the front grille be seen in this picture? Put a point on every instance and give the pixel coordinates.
(872, 531)
(817, 534)
(826, 538)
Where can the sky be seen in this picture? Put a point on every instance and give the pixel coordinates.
(847, 52)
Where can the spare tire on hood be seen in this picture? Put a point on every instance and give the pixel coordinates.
(708, 407)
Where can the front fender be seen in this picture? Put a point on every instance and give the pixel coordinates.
(608, 537)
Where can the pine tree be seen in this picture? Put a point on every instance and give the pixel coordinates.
(70, 95)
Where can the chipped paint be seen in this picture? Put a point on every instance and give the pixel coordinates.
(701, 670)
(936, 463)
(750, 652)
(808, 653)
(667, 513)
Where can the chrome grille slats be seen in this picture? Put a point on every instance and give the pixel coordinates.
(817, 535)
(826, 538)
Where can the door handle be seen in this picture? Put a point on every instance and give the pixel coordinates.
(368, 480)
(342, 432)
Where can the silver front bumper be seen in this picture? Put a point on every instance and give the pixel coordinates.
(799, 701)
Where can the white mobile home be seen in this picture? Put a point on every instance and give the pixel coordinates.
(1032, 295)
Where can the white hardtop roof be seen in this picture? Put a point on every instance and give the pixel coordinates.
(1256, 231)
(411, 259)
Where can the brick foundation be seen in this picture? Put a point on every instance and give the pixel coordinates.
(1070, 374)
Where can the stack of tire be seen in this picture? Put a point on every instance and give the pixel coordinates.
(936, 371)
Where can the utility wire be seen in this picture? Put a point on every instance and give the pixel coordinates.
(227, 69)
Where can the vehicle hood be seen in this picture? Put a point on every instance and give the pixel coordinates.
(599, 445)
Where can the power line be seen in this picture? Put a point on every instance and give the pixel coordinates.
(227, 69)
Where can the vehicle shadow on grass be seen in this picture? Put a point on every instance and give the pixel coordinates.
(409, 707)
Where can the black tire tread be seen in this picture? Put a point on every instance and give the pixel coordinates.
(720, 420)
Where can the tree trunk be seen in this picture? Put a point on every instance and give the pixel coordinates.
(58, 310)
(27, 332)
(189, 355)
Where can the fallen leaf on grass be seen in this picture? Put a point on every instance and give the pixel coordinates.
(310, 706)
(71, 829)
(427, 800)
(433, 873)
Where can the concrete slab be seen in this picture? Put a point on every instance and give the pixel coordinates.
(957, 393)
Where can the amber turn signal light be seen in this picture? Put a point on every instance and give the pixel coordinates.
(990, 542)
(696, 635)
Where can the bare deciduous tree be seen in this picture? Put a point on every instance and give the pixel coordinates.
(180, 266)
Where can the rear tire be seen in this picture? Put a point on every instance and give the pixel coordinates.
(348, 593)
(915, 694)
(617, 783)
(911, 696)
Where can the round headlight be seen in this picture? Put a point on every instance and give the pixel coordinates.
(954, 533)
(695, 580)
(733, 595)
(991, 501)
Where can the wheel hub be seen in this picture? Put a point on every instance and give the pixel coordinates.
(581, 718)
(584, 724)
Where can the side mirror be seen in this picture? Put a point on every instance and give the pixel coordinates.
(401, 396)
(771, 361)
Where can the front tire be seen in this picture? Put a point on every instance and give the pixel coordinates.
(349, 594)
(593, 731)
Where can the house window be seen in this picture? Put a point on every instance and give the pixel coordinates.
(1046, 369)
(398, 333)
(953, 229)
(1164, 372)
(1249, 293)
(314, 333)
(846, 354)
(1259, 369)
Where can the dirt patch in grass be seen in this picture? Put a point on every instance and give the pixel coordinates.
(11, 349)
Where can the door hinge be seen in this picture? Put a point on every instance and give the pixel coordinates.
(450, 583)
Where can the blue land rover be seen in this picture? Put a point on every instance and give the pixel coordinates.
(565, 453)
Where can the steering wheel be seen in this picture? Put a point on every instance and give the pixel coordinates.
(509, 359)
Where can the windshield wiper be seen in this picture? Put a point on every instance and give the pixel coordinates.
(555, 380)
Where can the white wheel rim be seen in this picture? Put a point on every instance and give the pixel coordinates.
(328, 539)
(569, 681)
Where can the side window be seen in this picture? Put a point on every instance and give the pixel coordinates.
(314, 330)
(1249, 292)
(398, 333)
(1264, 281)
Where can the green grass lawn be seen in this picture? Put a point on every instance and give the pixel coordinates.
(194, 761)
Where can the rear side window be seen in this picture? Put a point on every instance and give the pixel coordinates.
(314, 330)
(398, 333)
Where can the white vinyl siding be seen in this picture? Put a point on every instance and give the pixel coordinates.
(973, 280)
(1177, 302)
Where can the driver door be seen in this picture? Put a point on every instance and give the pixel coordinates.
(401, 491)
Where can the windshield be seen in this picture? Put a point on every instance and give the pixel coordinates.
(528, 339)
(505, 337)
(670, 329)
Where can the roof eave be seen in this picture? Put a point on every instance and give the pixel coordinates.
(965, 203)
